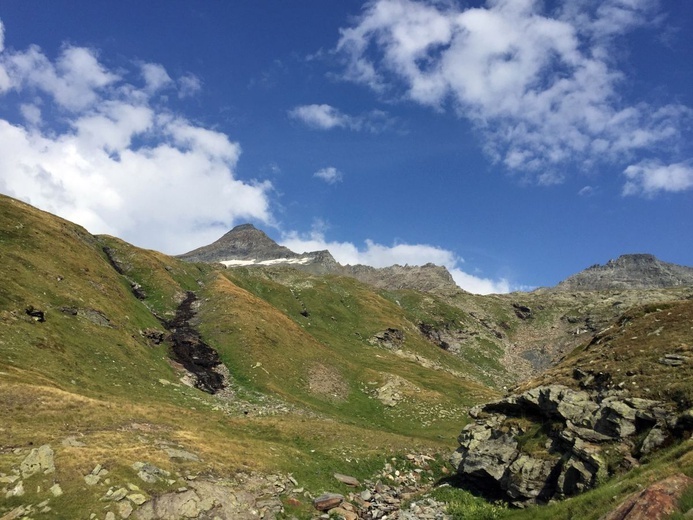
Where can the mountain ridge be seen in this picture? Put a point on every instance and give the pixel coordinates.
(629, 271)
(245, 245)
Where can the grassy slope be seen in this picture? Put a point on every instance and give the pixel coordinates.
(629, 350)
(88, 372)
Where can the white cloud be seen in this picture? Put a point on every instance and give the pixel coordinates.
(651, 177)
(323, 117)
(119, 162)
(74, 81)
(330, 175)
(327, 117)
(378, 255)
(188, 85)
(541, 86)
(586, 191)
(155, 76)
(31, 113)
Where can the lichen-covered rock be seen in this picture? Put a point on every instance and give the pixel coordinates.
(564, 452)
(39, 460)
(656, 502)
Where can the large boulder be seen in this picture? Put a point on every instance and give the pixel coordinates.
(551, 441)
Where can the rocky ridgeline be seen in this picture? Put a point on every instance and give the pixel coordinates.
(552, 442)
(636, 271)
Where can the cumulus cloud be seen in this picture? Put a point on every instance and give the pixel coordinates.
(327, 117)
(330, 175)
(541, 86)
(651, 177)
(379, 255)
(155, 76)
(119, 162)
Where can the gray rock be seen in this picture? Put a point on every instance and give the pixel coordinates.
(656, 438)
(39, 460)
(328, 501)
(527, 477)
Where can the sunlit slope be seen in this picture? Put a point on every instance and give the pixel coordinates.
(309, 340)
(81, 365)
(86, 335)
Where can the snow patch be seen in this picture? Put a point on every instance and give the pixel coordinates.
(237, 263)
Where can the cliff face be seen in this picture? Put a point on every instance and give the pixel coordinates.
(637, 271)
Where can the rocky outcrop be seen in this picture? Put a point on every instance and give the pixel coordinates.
(656, 502)
(552, 442)
(637, 271)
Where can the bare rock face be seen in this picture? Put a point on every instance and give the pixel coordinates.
(550, 442)
(656, 502)
(244, 242)
(638, 271)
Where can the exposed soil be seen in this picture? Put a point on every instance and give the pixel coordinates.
(191, 351)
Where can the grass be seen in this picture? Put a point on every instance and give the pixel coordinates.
(88, 372)
(301, 362)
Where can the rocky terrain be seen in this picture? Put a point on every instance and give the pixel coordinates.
(636, 271)
(137, 385)
(245, 245)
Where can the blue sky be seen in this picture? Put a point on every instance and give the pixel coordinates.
(514, 141)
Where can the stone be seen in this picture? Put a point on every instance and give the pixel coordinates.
(16, 491)
(17, 512)
(92, 480)
(328, 501)
(118, 494)
(137, 498)
(526, 477)
(346, 479)
(110, 516)
(656, 502)
(39, 460)
(656, 438)
(181, 454)
(124, 509)
(340, 512)
(56, 490)
(149, 472)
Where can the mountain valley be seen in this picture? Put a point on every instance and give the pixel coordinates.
(244, 380)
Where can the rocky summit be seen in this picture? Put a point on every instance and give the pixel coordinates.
(636, 271)
(247, 381)
(244, 242)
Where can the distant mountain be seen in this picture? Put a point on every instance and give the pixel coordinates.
(635, 271)
(245, 245)
(244, 242)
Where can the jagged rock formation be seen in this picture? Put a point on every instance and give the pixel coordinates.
(552, 442)
(245, 245)
(637, 271)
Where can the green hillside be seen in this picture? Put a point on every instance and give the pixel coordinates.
(321, 375)
(302, 391)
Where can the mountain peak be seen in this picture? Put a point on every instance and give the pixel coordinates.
(243, 242)
(629, 271)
